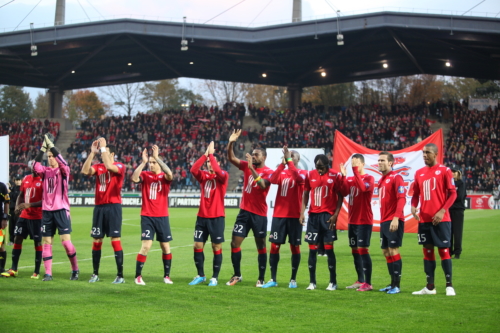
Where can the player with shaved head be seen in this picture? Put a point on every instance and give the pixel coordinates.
(434, 189)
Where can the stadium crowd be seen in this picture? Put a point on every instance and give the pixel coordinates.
(182, 135)
(474, 145)
(25, 140)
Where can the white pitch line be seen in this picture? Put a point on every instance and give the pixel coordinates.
(125, 254)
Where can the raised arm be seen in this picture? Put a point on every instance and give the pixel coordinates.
(222, 176)
(230, 152)
(163, 165)
(363, 187)
(106, 157)
(137, 172)
(195, 169)
(87, 166)
(63, 165)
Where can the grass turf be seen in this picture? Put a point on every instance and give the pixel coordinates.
(63, 305)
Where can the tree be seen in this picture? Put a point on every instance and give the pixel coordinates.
(265, 95)
(160, 95)
(15, 104)
(187, 96)
(124, 96)
(222, 92)
(84, 104)
(41, 109)
(423, 88)
(332, 94)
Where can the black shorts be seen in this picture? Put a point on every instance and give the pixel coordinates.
(284, 226)
(159, 225)
(26, 227)
(107, 221)
(391, 239)
(359, 235)
(59, 219)
(246, 221)
(209, 226)
(318, 229)
(437, 235)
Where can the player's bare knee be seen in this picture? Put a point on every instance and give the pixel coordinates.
(260, 242)
(393, 251)
(113, 239)
(98, 240)
(386, 252)
(216, 247)
(199, 245)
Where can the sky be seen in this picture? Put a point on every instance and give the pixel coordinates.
(245, 13)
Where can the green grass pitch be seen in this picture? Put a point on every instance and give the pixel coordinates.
(77, 306)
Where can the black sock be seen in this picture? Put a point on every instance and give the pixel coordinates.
(167, 263)
(313, 258)
(16, 254)
(274, 259)
(3, 259)
(332, 265)
(236, 260)
(429, 268)
(390, 268)
(358, 265)
(295, 265)
(139, 264)
(217, 263)
(96, 260)
(119, 262)
(38, 259)
(398, 266)
(199, 261)
(446, 264)
(367, 267)
(262, 260)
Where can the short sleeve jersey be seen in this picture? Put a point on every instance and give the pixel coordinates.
(390, 188)
(431, 185)
(254, 198)
(155, 189)
(360, 190)
(109, 184)
(290, 189)
(323, 190)
(32, 188)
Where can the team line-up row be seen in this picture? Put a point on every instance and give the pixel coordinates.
(43, 208)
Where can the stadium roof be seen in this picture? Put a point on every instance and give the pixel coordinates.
(99, 53)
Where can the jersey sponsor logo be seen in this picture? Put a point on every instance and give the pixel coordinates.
(332, 175)
(352, 194)
(103, 179)
(51, 182)
(401, 189)
(249, 186)
(29, 194)
(313, 180)
(429, 185)
(318, 195)
(154, 188)
(209, 186)
(422, 174)
(285, 185)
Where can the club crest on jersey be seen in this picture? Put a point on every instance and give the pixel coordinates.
(438, 172)
(401, 189)
(387, 181)
(330, 181)
(367, 185)
(303, 176)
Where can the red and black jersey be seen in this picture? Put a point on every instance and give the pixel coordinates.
(155, 189)
(32, 191)
(323, 190)
(430, 188)
(392, 197)
(254, 198)
(213, 187)
(290, 189)
(108, 184)
(360, 190)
